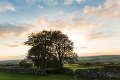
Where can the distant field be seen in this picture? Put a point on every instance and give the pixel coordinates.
(107, 58)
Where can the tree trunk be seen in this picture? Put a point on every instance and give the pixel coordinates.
(61, 63)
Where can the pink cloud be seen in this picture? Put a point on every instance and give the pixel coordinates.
(111, 9)
(99, 53)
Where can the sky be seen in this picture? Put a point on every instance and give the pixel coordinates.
(93, 25)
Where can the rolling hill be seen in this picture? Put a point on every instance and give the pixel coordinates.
(10, 62)
(104, 58)
(107, 58)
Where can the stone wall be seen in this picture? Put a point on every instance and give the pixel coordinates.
(23, 70)
(98, 73)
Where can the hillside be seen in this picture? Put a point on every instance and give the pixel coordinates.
(106, 58)
(10, 62)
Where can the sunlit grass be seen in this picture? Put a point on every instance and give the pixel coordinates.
(76, 66)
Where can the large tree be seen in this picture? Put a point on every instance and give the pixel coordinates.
(48, 47)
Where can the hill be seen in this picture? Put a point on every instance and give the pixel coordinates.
(10, 62)
(104, 58)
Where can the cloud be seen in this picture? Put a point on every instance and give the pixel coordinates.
(68, 2)
(106, 17)
(83, 47)
(6, 6)
(50, 2)
(13, 57)
(30, 1)
(40, 6)
(79, 1)
(103, 32)
(10, 29)
(73, 22)
(64, 25)
(111, 9)
(98, 36)
(99, 53)
(15, 45)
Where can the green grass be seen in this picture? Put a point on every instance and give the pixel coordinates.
(75, 67)
(11, 76)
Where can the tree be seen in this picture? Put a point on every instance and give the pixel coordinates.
(49, 46)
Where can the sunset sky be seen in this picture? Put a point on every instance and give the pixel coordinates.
(93, 25)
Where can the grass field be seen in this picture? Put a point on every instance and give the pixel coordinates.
(11, 76)
(75, 67)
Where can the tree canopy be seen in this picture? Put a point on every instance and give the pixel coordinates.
(49, 48)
